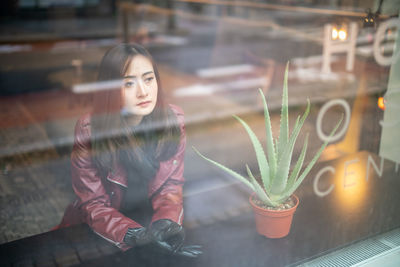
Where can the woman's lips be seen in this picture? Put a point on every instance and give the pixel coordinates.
(144, 104)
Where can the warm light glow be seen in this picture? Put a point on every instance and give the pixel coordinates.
(381, 103)
(342, 35)
(334, 33)
(350, 183)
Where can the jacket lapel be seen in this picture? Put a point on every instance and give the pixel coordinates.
(118, 176)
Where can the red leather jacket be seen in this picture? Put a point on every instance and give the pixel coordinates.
(99, 198)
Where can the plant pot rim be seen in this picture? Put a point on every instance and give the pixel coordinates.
(270, 210)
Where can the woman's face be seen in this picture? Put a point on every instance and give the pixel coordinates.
(140, 88)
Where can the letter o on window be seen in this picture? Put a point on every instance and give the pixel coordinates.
(325, 107)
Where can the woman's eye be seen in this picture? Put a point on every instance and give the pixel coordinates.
(147, 80)
(128, 84)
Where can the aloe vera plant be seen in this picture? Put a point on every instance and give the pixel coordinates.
(277, 183)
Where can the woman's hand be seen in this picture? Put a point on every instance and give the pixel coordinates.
(169, 236)
(137, 237)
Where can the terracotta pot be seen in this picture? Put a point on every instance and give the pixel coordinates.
(273, 223)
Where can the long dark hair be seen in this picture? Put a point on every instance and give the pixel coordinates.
(139, 148)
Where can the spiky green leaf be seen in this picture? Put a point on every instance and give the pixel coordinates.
(270, 142)
(261, 158)
(312, 162)
(284, 124)
(262, 195)
(282, 172)
(297, 122)
(231, 172)
(298, 166)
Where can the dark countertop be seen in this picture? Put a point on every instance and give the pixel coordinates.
(357, 208)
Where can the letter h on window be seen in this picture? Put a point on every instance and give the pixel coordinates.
(334, 46)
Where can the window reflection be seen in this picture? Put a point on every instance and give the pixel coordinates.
(212, 57)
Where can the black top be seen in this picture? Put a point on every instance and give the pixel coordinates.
(135, 203)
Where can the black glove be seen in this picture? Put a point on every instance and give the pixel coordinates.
(169, 236)
(137, 237)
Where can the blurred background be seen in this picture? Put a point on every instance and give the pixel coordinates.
(212, 56)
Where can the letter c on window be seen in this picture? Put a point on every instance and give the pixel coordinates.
(316, 180)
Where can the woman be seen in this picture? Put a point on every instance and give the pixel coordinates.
(127, 158)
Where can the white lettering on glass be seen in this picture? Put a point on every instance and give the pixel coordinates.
(316, 180)
(379, 37)
(338, 46)
(346, 181)
(321, 114)
(371, 161)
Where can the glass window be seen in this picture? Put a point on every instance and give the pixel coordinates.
(139, 130)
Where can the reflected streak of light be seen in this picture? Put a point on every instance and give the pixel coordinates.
(96, 86)
(193, 192)
(209, 89)
(228, 19)
(15, 48)
(225, 71)
(282, 7)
